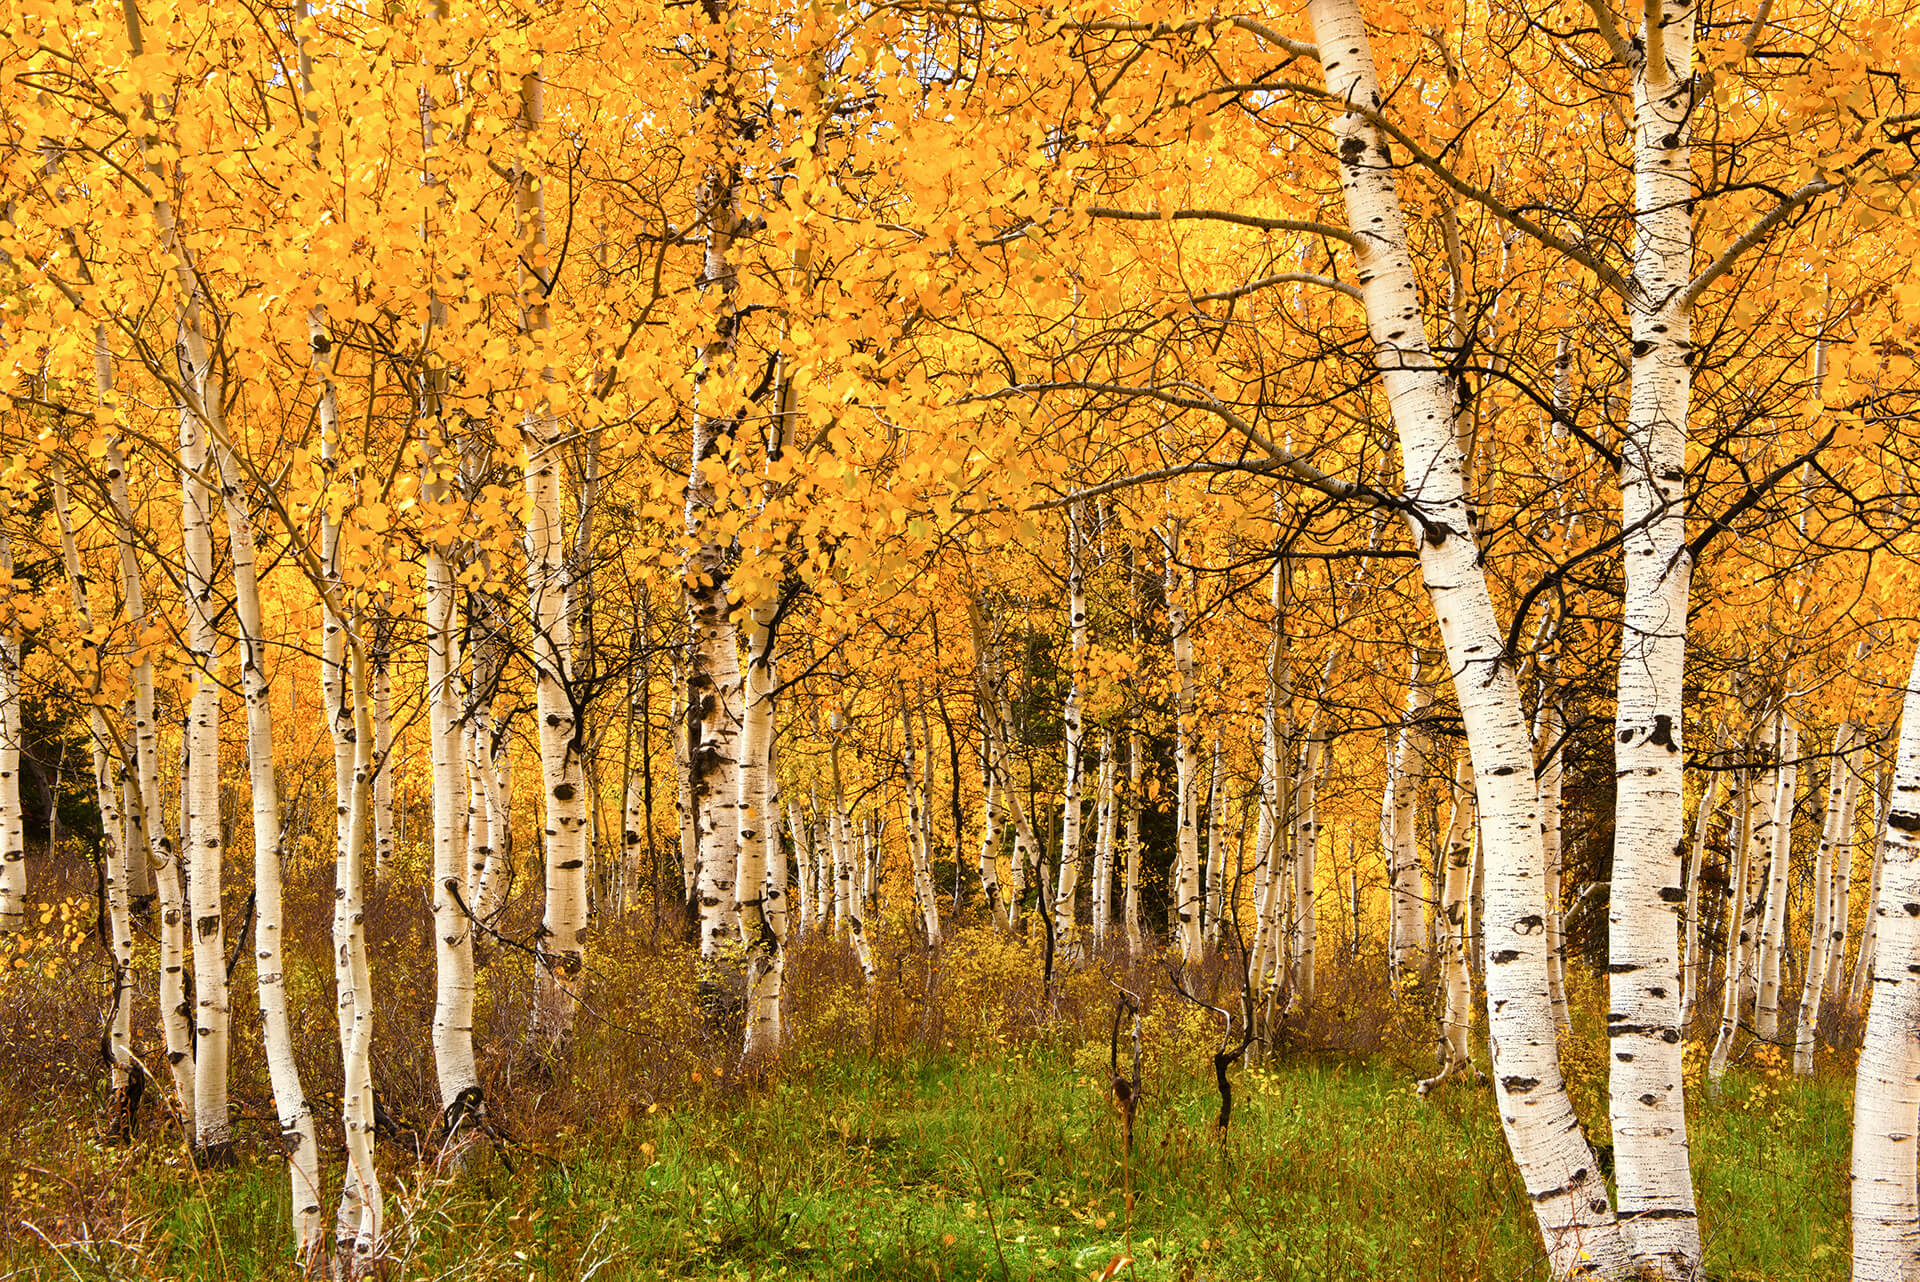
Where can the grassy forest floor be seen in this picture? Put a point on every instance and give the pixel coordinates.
(943, 1130)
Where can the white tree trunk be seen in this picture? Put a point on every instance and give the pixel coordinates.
(298, 1137)
(1556, 1163)
(1870, 931)
(1753, 847)
(1065, 900)
(1696, 857)
(358, 1222)
(1841, 787)
(1886, 1095)
(1549, 730)
(1306, 846)
(924, 895)
(201, 792)
(13, 847)
(1456, 1018)
(1187, 907)
(1403, 853)
(1773, 933)
(1102, 912)
(990, 836)
(764, 962)
(1647, 1101)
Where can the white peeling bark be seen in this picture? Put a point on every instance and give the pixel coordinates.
(1870, 931)
(1556, 1164)
(1102, 909)
(1886, 1096)
(1691, 974)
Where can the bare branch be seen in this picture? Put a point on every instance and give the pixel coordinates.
(1226, 216)
(1754, 235)
(1284, 278)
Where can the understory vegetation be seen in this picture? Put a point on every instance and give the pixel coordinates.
(956, 1121)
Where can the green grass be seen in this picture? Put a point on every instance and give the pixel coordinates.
(1008, 1168)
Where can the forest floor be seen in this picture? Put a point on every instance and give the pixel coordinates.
(1002, 1166)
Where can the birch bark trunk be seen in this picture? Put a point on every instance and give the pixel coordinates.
(1456, 1018)
(1065, 904)
(1556, 1163)
(924, 895)
(1870, 929)
(1886, 1108)
(1696, 858)
(764, 962)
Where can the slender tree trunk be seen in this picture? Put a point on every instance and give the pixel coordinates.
(1647, 1100)
(1187, 906)
(1703, 819)
(298, 1137)
(990, 837)
(358, 1223)
(924, 896)
(201, 790)
(758, 929)
(1549, 733)
(1754, 844)
(1773, 934)
(1556, 1163)
(1886, 1095)
(13, 847)
(1456, 1019)
(1870, 930)
(1403, 855)
(849, 906)
(1841, 786)
(1065, 903)
(1103, 844)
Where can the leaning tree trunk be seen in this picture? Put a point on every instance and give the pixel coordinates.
(1557, 1165)
(1886, 1093)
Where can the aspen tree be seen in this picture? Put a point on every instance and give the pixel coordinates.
(924, 896)
(990, 835)
(200, 784)
(1556, 1163)
(1696, 857)
(1886, 1095)
(1074, 730)
(13, 850)
(1646, 1098)
(1549, 737)
(1106, 814)
(298, 1136)
(1863, 962)
(1216, 866)
(1456, 1019)
(1187, 906)
(1773, 931)
(764, 960)
(1839, 813)
(563, 924)
(1834, 962)
(114, 854)
(1754, 845)
(1403, 858)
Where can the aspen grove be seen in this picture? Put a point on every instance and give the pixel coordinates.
(561, 548)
